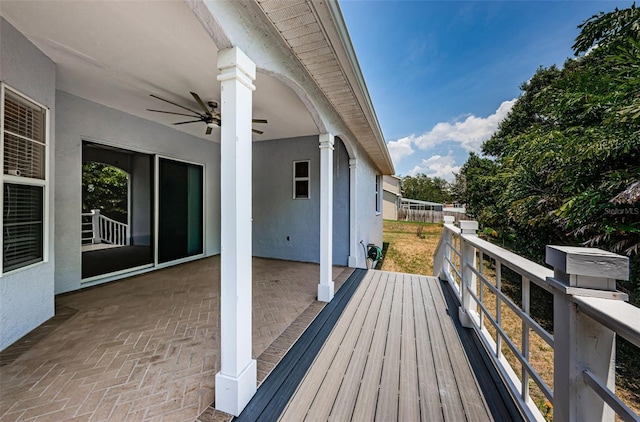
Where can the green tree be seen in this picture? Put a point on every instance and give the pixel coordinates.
(105, 188)
(425, 188)
(566, 161)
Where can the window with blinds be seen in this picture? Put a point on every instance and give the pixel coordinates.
(24, 137)
(22, 225)
(24, 182)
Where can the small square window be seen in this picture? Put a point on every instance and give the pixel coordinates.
(301, 173)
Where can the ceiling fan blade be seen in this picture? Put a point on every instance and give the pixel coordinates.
(190, 121)
(259, 120)
(201, 103)
(177, 105)
(259, 132)
(208, 132)
(171, 112)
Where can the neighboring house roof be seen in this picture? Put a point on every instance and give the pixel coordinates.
(324, 48)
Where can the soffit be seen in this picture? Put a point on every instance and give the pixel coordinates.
(317, 35)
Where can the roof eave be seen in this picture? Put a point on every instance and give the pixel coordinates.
(336, 28)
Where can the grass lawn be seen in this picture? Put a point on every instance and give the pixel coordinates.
(409, 252)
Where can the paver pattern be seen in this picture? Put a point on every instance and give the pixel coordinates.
(147, 347)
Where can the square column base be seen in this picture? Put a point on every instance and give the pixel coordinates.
(233, 394)
(325, 292)
(353, 262)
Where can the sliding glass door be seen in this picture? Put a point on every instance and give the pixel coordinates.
(180, 210)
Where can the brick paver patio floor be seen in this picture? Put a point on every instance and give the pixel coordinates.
(146, 348)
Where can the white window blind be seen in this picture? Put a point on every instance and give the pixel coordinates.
(22, 225)
(24, 137)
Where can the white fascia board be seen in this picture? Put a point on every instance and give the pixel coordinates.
(331, 19)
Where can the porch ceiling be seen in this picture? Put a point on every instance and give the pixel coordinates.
(117, 53)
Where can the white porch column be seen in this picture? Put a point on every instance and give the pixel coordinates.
(353, 238)
(325, 288)
(236, 381)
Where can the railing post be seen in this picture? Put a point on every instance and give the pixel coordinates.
(468, 283)
(95, 226)
(447, 238)
(580, 342)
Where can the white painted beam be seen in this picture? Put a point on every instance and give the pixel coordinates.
(353, 213)
(236, 381)
(325, 287)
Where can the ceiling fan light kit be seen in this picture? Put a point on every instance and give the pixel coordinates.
(209, 115)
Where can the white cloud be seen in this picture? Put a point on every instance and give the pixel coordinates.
(470, 133)
(437, 166)
(400, 149)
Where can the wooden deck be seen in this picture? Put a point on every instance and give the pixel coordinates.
(394, 354)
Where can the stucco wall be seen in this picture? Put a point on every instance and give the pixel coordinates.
(26, 296)
(287, 228)
(79, 119)
(369, 221)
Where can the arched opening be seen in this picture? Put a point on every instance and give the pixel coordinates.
(105, 192)
(117, 210)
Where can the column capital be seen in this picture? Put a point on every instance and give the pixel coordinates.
(233, 63)
(326, 140)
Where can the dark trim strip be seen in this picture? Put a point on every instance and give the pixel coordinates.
(276, 391)
(496, 394)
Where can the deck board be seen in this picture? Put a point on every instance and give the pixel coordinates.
(334, 373)
(447, 386)
(387, 406)
(365, 408)
(394, 354)
(474, 406)
(344, 404)
(430, 408)
(409, 406)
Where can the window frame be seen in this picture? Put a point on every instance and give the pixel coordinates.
(27, 181)
(302, 179)
(378, 194)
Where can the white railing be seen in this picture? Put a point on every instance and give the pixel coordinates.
(579, 342)
(96, 228)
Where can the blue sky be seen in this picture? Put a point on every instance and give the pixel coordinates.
(443, 74)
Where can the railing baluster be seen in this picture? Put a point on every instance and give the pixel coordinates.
(526, 299)
(588, 313)
(104, 229)
(481, 271)
(498, 310)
